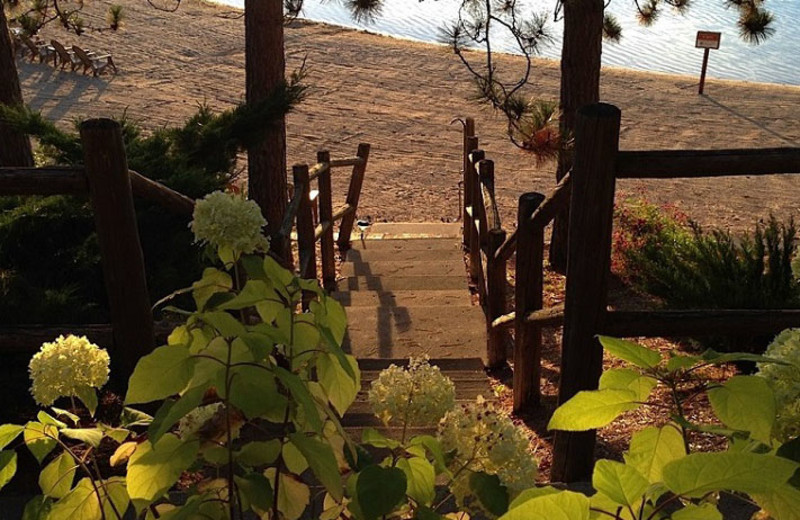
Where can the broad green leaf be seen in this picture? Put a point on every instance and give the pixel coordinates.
(294, 459)
(162, 373)
(621, 483)
(260, 345)
(700, 473)
(653, 448)
(434, 448)
(255, 392)
(421, 479)
(745, 403)
(37, 508)
(88, 396)
(120, 435)
(424, 513)
(492, 495)
(531, 493)
(627, 379)
(379, 490)
(293, 495)
(8, 466)
(305, 338)
(180, 336)
(592, 409)
(339, 386)
(40, 439)
(84, 503)
(56, 478)
(712, 356)
(373, 437)
(225, 324)
(695, 512)
(279, 276)
(680, 362)
(258, 453)
(322, 460)
(331, 316)
(565, 505)
(9, 432)
(268, 310)
(782, 502)
(132, 417)
(601, 505)
(300, 392)
(46, 418)
(791, 450)
(153, 469)
(172, 411)
(253, 266)
(212, 282)
(122, 453)
(631, 352)
(256, 490)
(254, 291)
(91, 436)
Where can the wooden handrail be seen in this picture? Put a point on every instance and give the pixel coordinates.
(168, 198)
(342, 212)
(285, 230)
(317, 170)
(486, 179)
(321, 228)
(705, 322)
(506, 320)
(541, 217)
(667, 164)
(353, 161)
(550, 317)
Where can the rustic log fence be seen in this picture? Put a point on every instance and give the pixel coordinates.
(590, 188)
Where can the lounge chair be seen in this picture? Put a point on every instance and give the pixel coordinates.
(97, 63)
(42, 50)
(65, 56)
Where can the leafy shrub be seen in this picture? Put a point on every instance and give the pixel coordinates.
(785, 381)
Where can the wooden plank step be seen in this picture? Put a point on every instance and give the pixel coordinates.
(403, 283)
(430, 244)
(400, 267)
(393, 253)
(449, 297)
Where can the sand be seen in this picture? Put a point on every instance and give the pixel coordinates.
(400, 96)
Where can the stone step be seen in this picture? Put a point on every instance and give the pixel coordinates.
(403, 283)
(431, 244)
(401, 332)
(393, 253)
(456, 297)
(393, 268)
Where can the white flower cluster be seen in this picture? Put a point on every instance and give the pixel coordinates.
(66, 367)
(482, 438)
(230, 221)
(417, 396)
(785, 382)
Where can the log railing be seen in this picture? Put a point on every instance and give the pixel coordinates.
(315, 218)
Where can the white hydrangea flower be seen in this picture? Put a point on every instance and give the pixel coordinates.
(785, 382)
(483, 439)
(229, 221)
(65, 367)
(417, 396)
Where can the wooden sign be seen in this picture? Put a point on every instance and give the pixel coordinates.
(707, 40)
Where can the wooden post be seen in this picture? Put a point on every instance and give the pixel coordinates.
(469, 132)
(496, 300)
(118, 236)
(305, 224)
(353, 194)
(592, 208)
(527, 298)
(326, 219)
(703, 71)
(474, 237)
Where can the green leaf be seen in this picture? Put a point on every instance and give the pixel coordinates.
(153, 469)
(88, 397)
(322, 461)
(46, 418)
(171, 411)
(745, 403)
(679, 362)
(64, 413)
(253, 292)
(631, 352)
(379, 490)
(38, 508)
(8, 466)
(653, 448)
(490, 492)
(434, 449)
(340, 387)
(532, 493)
(9, 432)
(40, 439)
(592, 409)
(421, 479)
(83, 502)
(293, 495)
(260, 345)
(258, 453)
(712, 356)
(621, 483)
(791, 450)
(279, 276)
(294, 459)
(255, 392)
(268, 310)
(627, 379)
(212, 282)
(700, 473)
(162, 373)
(256, 490)
(301, 394)
(425, 513)
(782, 502)
(695, 512)
(565, 505)
(225, 324)
(91, 436)
(373, 437)
(56, 478)
(131, 418)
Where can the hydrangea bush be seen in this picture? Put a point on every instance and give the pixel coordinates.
(784, 379)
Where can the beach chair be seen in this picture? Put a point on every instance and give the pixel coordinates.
(97, 63)
(65, 56)
(42, 50)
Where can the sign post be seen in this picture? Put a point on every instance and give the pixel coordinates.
(706, 40)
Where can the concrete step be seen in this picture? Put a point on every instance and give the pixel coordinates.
(403, 283)
(431, 244)
(401, 332)
(385, 253)
(454, 297)
(403, 230)
(399, 267)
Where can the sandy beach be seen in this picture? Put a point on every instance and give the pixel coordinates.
(400, 96)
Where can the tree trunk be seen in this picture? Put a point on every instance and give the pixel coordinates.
(580, 86)
(265, 66)
(15, 148)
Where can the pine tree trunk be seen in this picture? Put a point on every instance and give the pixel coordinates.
(15, 148)
(265, 66)
(580, 85)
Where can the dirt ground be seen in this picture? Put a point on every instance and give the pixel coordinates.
(400, 96)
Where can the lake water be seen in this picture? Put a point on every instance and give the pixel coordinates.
(666, 46)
